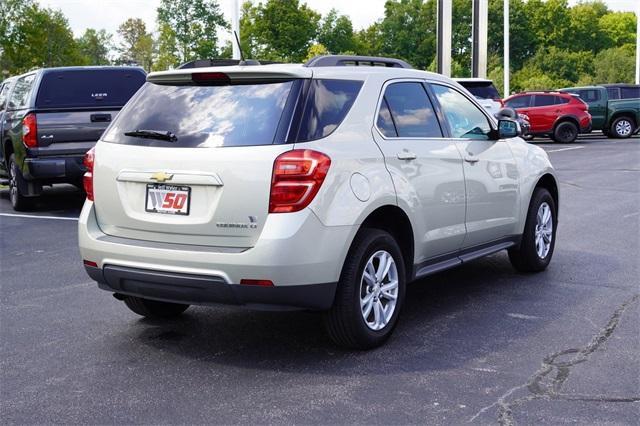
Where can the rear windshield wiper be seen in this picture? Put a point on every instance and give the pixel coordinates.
(153, 134)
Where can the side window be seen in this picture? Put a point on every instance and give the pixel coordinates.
(560, 100)
(613, 93)
(410, 111)
(4, 89)
(385, 122)
(592, 96)
(630, 92)
(543, 100)
(465, 119)
(20, 95)
(519, 102)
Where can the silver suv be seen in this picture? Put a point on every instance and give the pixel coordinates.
(326, 186)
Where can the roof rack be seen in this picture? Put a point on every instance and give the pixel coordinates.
(349, 60)
(203, 63)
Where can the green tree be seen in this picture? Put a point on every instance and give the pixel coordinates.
(336, 33)
(368, 41)
(615, 65)
(40, 37)
(137, 44)
(95, 46)
(168, 55)
(317, 49)
(194, 24)
(550, 22)
(619, 28)
(585, 31)
(278, 29)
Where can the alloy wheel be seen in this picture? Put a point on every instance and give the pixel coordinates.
(623, 128)
(379, 290)
(544, 230)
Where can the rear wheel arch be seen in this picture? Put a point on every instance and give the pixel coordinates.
(394, 220)
(7, 150)
(564, 119)
(625, 114)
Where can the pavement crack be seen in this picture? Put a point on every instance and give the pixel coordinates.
(547, 381)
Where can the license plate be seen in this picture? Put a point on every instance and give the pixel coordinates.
(168, 199)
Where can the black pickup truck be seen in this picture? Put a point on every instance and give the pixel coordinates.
(52, 117)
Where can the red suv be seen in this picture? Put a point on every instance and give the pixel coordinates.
(558, 115)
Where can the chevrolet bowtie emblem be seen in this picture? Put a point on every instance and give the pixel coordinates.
(161, 176)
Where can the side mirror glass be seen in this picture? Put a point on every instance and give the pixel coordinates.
(508, 129)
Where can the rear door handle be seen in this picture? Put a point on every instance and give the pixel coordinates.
(406, 155)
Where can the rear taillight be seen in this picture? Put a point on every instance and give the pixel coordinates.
(87, 179)
(297, 177)
(30, 131)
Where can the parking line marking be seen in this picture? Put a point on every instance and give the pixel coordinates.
(38, 217)
(566, 149)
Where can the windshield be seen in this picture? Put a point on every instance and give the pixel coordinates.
(203, 116)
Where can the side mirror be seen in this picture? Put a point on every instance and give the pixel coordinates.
(508, 129)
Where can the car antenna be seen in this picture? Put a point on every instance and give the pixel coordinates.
(242, 60)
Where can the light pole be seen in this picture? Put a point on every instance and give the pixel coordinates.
(235, 27)
(506, 49)
(444, 38)
(638, 45)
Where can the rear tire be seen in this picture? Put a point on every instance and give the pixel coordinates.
(528, 137)
(539, 239)
(367, 303)
(18, 201)
(565, 132)
(622, 128)
(154, 309)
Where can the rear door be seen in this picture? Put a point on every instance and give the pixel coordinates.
(209, 183)
(75, 106)
(423, 165)
(545, 110)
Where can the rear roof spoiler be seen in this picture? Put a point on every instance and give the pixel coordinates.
(206, 63)
(354, 60)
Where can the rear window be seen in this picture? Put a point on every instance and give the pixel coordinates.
(88, 88)
(630, 92)
(203, 116)
(483, 90)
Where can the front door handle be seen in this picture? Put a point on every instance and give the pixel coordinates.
(471, 160)
(406, 155)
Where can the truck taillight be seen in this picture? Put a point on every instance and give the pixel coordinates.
(297, 177)
(87, 179)
(30, 131)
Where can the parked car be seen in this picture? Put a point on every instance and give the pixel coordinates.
(484, 91)
(327, 186)
(560, 116)
(617, 116)
(53, 117)
(5, 89)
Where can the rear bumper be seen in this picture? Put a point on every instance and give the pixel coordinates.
(295, 251)
(59, 169)
(207, 290)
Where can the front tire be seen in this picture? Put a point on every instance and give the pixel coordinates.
(565, 132)
(154, 309)
(622, 128)
(539, 237)
(370, 292)
(18, 201)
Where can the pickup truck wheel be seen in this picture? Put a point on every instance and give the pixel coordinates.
(370, 292)
(565, 132)
(18, 200)
(622, 127)
(154, 309)
(539, 237)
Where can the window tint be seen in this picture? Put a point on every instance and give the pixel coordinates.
(543, 100)
(203, 116)
(588, 95)
(559, 100)
(465, 119)
(483, 90)
(327, 104)
(385, 122)
(411, 111)
(613, 92)
(88, 88)
(630, 92)
(519, 102)
(20, 94)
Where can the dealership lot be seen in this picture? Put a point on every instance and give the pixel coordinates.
(479, 344)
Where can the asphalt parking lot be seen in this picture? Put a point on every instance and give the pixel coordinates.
(480, 344)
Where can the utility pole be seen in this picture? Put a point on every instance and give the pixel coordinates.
(638, 45)
(235, 26)
(479, 30)
(506, 49)
(443, 41)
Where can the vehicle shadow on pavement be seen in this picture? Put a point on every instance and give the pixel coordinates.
(54, 200)
(448, 320)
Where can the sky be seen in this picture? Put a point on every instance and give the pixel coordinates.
(109, 14)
